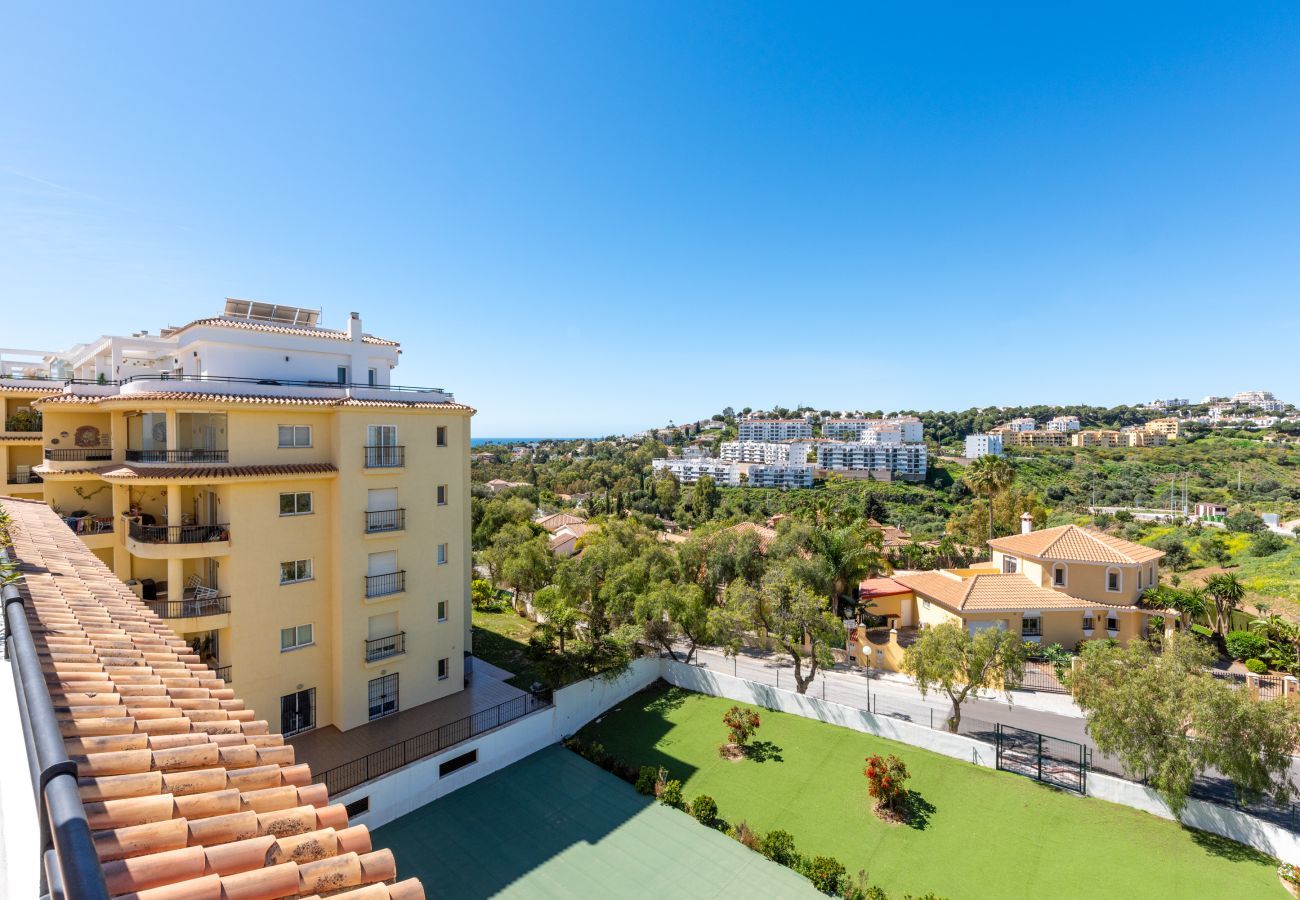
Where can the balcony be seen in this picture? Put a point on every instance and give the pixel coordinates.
(384, 647)
(178, 534)
(24, 478)
(102, 452)
(382, 585)
(385, 457)
(190, 607)
(194, 455)
(223, 672)
(385, 520)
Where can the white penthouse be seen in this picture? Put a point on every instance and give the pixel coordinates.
(1024, 423)
(774, 429)
(731, 473)
(909, 428)
(1063, 423)
(765, 452)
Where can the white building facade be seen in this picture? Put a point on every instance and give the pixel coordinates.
(774, 429)
(978, 445)
(908, 460)
(765, 452)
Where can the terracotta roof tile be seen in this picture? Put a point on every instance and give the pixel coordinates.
(882, 587)
(556, 521)
(188, 794)
(208, 473)
(994, 591)
(269, 328)
(1070, 543)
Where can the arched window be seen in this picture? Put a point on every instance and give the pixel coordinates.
(1114, 580)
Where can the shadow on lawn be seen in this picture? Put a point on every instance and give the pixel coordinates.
(1228, 849)
(917, 811)
(762, 751)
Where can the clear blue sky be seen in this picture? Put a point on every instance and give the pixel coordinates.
(590, 218)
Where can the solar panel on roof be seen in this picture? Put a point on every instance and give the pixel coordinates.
(259, 311)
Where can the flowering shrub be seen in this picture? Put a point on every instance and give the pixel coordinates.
(741, 724)
(1289, 873)
(886, 780)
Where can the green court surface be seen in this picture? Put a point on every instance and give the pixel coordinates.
(555, 826)
(985, 834)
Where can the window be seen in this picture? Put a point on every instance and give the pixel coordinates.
(343, 374)
(442, 495)
(1058, 576)
(296, 504)
(295, 571)
(1087, 623)
(457, 762)
(1009, 565)
(442, 610)
(295, 637)
(443, 669)
(1112, 580)
(1031, 626)
(357, 807)
(442, 554)
(442, 435)
(1112, 623)
(383, 696)
(372, 377)
(295, 436)
(298, 711)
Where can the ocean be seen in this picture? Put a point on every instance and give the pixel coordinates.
(480, 441)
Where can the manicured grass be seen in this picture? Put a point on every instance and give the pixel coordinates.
(986, 834)
(501, 638)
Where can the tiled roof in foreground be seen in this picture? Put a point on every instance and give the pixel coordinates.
(1070, 543)
(135, 399)
(188, 794)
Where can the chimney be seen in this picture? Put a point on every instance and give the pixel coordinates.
(354, 326)
(1026, 523)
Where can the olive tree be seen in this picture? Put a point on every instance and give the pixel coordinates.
(948, 658)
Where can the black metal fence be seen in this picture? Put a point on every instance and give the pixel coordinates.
(195, 454)
(1044, 758)
(385, 520)
(390, 583)
(178, 534)
(1040, 675)
(388, 759)
(385, 456)
(380, 648)
(24, 478)
(100, 453)
(185, 609)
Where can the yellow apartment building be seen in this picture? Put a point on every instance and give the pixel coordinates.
(1098, 438)
(1171, 428)
(305, 532)
(1056, 586)
(1036, 438)
(1144, 439)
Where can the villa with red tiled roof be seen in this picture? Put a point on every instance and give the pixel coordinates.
(1060, 585)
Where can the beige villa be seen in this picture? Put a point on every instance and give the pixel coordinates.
(1056, 586)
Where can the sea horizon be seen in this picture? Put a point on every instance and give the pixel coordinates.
(480, 441)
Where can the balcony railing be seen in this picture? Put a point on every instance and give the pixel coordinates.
(178, 534)
(223, 672)
(385, 520)
(188, 609)
(381, 648)
(24, 478)
(102, 452)
(385, 457)
(275, 382)
(90, 524)
(392, 583)
(194, 455)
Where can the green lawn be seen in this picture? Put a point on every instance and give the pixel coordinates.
(501, 638)
(987, 834)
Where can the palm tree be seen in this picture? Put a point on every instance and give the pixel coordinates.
(844, 556)
(1227, 592)
(988, 477)
(1188, 604)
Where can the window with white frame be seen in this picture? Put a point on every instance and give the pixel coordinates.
(1112, 623)
(442, 554)
(295, 570)
(442, 610)
(1113, 580)
(444, 668)
(295, 436)
(1009, 565)
(297, 503)
(296, 636)
(1058, 575)
(1031, 626)
(442, 495)
(1087, 623)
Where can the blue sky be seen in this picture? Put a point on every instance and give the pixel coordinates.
(587, 218)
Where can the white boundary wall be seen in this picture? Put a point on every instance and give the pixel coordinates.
(407, 789)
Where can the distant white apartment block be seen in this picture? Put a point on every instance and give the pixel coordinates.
(909, 428)
(733, 473)
(978, 445)
(774, 429)
(1253, 398)
(765, 452)
(1063, 423)
(1023, 423)
(689, 470)
(1171, 403)
(906, 460)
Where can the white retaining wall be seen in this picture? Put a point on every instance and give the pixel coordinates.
(406, 789)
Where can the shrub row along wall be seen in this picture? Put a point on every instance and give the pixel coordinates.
(1220, 820)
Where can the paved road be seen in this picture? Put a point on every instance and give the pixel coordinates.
(894, 694)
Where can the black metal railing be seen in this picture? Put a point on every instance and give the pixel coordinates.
(381, 762)
(385, 520)
(90, 524)
(279, 382)
(100, 453)
(223, 672)
(178, 456)
(24, 478)
(178, 534)
(380, 648)
(391, 583)
(1040, 675)
(385, 456)
(69, 863)
(187, 609)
